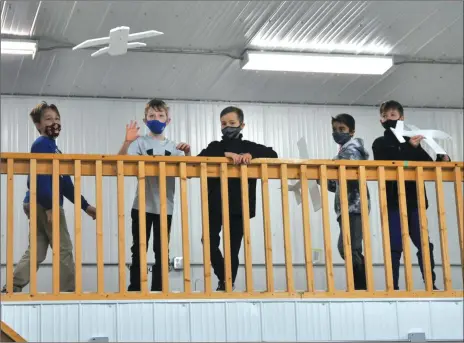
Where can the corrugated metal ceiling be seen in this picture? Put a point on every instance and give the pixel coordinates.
(197, 57)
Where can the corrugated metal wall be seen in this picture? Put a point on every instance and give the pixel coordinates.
(237, 321)
(96, 126)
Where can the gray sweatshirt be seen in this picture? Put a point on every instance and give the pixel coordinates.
(352, 150)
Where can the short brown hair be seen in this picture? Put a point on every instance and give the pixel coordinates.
(156, 104)
(39, 110)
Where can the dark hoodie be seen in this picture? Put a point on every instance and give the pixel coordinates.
(238, 146)
(387, 147)
(351, 150)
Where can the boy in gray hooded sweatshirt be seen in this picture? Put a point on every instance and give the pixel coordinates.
(343, 126)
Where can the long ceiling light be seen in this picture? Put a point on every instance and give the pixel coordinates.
(19, 47)
(316, 63)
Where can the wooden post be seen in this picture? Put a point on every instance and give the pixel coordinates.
(142, 229)
(185, 228)
(459, 211)
(345, 221)
(205, 227)
(306, 229)
(286, 224)
(267, 229)
(10, 225)
(33, 226)
(326, 228)
(226, 227)
(246, 228)
(121, 229)
(164, 230)
(78, 225)
(404, 229)
(424, 232)
(99, 220)
(56, 225)
(443, 229)
(385, 229)
(366, 229)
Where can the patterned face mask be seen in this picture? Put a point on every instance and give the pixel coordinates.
(341, 137)
(53, 130)
(231, 132)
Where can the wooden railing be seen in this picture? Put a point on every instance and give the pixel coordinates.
(263, 170)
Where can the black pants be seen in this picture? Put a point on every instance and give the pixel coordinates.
(359, 268)
(151, 219)
(396, 243)
(236, 235)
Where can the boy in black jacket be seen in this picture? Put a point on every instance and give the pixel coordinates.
(241, 152)
(387, 147)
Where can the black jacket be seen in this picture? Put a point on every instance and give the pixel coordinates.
(238, 146)
(389, 148)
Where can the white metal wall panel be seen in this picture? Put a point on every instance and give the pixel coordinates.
(219, 321)
(96, 126)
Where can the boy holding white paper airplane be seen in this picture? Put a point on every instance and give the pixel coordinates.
(153, 144)
(388, 147)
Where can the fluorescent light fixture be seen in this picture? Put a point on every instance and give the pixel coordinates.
(316, 63)
(19, 47)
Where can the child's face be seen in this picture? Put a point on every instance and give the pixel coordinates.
(231, 120)
(159, 114)
(341, 128)
(49, 117)
(390, 114)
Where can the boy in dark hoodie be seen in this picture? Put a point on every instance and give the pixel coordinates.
(387, 147)
(343, 126)
(241, 152)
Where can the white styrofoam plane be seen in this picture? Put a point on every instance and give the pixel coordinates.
(118, 41)
(428, 143)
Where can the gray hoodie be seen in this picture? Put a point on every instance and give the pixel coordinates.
(351, 150)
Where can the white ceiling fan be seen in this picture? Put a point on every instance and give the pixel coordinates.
(118, 41)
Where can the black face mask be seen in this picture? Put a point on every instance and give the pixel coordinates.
(231, 132)
(389, 124)
(53, 130)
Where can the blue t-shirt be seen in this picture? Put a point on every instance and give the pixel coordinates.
(46, 145)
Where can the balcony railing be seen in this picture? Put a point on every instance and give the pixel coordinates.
(264, 170)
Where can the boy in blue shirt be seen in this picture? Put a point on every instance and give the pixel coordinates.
(48, 122)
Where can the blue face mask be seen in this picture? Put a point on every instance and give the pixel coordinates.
(156, 126)
(341, 137)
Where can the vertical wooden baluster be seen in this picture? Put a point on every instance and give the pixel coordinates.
(424, 232)
(10, 225)
(267, 229)
(443, 229)
(164, 230)
(404, 229)
(78, 225)
(366, 229)
(142, 229)
(121, 228)
(205, 231)
(385, 229)
(459, 211)
(33, 226)
(99, 220)
(286, 225)
(185, 228)
(226, 227)
(345, 221)
(326, 228)
(306, 230)
(246, 228)
(56, 225)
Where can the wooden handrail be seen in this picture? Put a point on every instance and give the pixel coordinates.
(99, 166)
(9, 335)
